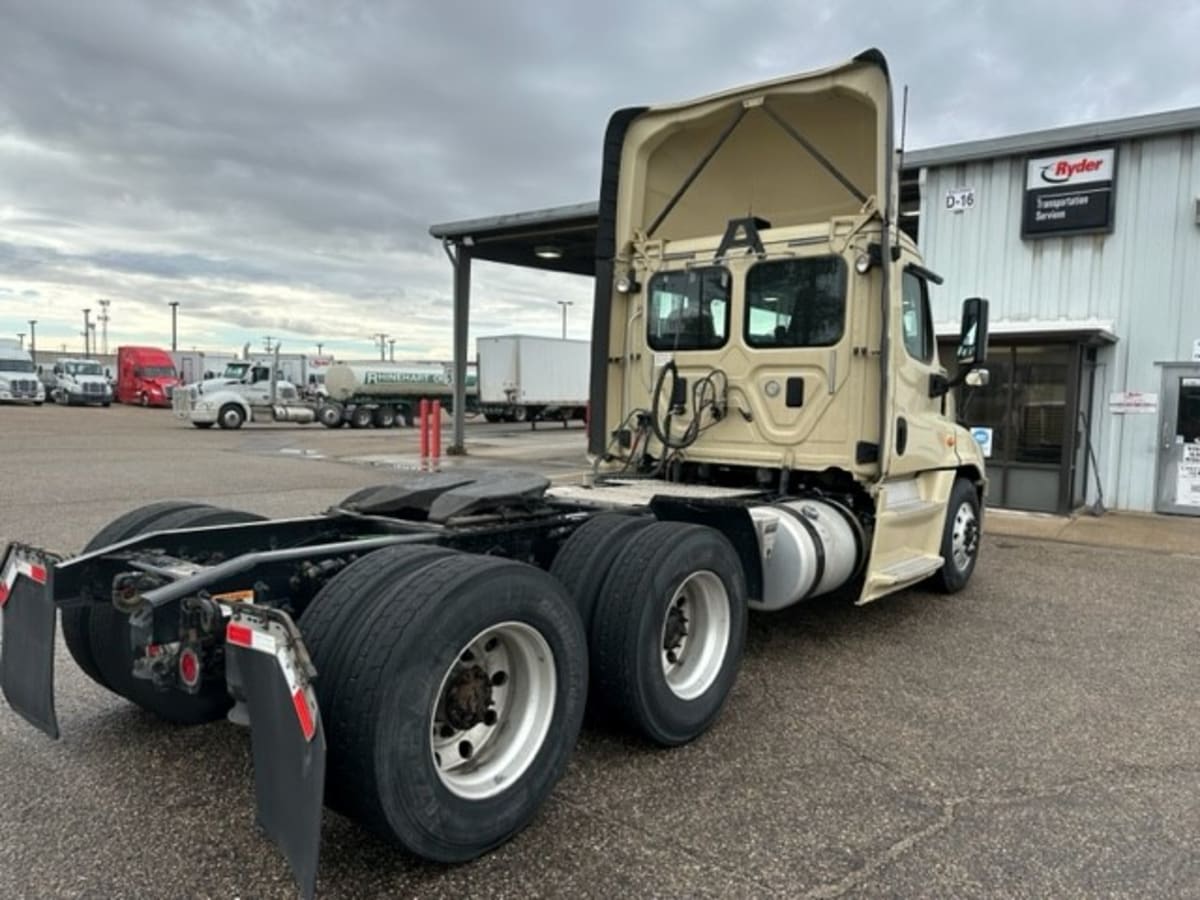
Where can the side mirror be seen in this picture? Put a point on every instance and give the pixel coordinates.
(973, 338)
(977, 378)
(108, 373)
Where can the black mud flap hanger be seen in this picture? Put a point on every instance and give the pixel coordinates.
(268, 669)
(29, 619)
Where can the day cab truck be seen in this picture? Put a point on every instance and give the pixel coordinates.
(145, 376)
(19, 382)
(80, 381)
(770, 423)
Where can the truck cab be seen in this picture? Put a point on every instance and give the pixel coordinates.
(19, 382)
(761, 322)
(145, 376)
(80, 381)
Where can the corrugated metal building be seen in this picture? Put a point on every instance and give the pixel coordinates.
(1087, 242)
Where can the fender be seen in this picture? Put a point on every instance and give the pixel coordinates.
(221, 398)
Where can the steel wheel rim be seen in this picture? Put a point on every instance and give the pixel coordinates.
(965, 536)
(480, 759)
(695, 634)
(230, 418)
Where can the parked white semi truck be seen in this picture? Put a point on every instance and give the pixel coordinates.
(80, 381)
(770, 422)
(19, 382)
(524, 378)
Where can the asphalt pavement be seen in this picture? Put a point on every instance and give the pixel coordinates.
(1037, 735)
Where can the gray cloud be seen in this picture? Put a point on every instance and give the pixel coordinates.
(275, 165)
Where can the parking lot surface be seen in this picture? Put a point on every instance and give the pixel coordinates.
(1036, 735)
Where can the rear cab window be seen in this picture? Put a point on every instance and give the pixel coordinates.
(796, 302)
(689, 309)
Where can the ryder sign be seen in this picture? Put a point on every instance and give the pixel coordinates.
(1070, 193)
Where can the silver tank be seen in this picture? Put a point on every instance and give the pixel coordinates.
(385, 380)
(808, 548)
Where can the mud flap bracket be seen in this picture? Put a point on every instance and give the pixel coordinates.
(268, 669)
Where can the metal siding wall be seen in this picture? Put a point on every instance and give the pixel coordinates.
(1144, 277)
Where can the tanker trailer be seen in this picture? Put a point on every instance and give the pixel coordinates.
(381, 394)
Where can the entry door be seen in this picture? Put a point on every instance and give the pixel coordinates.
(1179, 442)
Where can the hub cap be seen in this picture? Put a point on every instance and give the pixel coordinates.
(965, 536)
(493, 710)
(695, 634)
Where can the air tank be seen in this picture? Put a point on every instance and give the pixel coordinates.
(383, 380)
(808, 548)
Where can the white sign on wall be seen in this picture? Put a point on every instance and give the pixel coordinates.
(960, 199)
(983, 437)
(1196, 350)
(1132, 402)
(1187, 479)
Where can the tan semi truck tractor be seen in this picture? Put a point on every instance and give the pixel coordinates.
(770, 423)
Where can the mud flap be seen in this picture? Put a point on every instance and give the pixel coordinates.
(27, 655)
(268, 669)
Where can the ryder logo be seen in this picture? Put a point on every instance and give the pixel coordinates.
(1063, 170)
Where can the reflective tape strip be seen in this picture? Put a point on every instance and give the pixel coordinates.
(18, 566)
(251, 638)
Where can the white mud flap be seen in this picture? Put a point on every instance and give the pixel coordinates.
(29, 619)
(268, 669)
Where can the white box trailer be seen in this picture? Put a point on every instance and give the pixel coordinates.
(524, 377)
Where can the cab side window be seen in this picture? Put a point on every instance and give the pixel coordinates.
(916, 318)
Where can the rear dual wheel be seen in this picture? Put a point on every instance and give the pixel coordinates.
(452, 690)
(667, 612)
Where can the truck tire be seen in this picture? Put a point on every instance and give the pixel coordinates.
(108, 631)
(202, 424)
(76, 619)
(518, 414)
(333, 627)
(144, 398)
(479, 657)
(361, 417)
(330, 416)
(960, 539)
(231, 417)
(493, 417)
(584, 559)
(385, 417)
(669, 630)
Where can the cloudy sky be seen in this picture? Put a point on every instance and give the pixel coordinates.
(274, 166)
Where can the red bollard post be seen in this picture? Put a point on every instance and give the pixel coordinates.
(424, 414)
(435, 429)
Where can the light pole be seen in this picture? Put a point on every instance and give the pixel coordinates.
(381, 339)
(319, 346)
(174, 304)
(33, 339)
(92, 328)
(267, 342)
(87, 330)
(564, 304)
(103, 317)
(392, 349)
(21, 338)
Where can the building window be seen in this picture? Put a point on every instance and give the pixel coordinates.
(796, 302)
(689, 310)
(916, 318)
